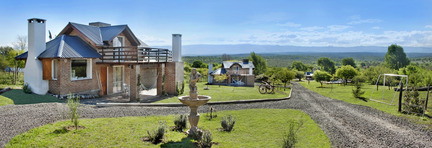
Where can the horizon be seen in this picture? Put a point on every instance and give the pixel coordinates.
(274, 23)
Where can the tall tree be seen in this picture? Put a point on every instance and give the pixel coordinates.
(259, 62)
(299, 66)
(327, 65)
(4, 51)
(396, 57)
(348, 61)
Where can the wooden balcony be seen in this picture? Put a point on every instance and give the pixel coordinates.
(133, 55)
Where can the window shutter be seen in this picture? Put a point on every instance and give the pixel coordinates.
(46, 66)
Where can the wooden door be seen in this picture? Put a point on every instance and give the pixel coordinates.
(103, 76)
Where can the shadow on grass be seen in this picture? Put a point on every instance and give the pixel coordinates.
(60, 131)
(185, 142)
(19, 97)
(363, 98)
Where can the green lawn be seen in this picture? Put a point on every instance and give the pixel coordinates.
(17, 96)
(344, 93)
(5, 101)
(229, 93)
(253, 128)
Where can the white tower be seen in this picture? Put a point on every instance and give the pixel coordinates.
(176, 47)
(36, 45)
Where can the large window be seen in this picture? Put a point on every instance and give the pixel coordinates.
(54, 69)
(81, 69)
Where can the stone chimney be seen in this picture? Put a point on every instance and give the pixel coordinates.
(176, 47)
(36, 45)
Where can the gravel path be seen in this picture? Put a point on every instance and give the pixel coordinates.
(346, 125)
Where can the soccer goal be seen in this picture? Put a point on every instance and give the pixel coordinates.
(384, 84)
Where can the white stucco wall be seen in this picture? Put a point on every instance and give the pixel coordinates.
(33, 68)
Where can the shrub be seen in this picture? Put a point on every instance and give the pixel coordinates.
(157, 135)
(290, 138)
(206, 140)
(73, 104)
(196, 134)
(180, 122)
(27, 89)
(182, 87)
(227, 123)
(412, 102)
(212, 113)
(357, 91)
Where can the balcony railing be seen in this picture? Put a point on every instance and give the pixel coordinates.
(134, 55)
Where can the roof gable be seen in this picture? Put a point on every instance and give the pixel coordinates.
(91, 32)
(228, 64)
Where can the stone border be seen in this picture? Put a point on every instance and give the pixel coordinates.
(180, 104)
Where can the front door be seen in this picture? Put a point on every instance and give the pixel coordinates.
(118, 76)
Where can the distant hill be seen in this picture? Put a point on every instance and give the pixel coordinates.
(206, 50)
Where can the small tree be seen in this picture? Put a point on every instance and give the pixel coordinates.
(346, 72)
(220, 78)
(357, 91)
(73, 104)
(285, 75)
(320, 76)
(299, 75)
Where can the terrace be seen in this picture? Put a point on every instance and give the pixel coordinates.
(134, 55)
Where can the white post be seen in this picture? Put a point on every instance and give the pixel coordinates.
(210, 70)
(36, 45)
(176, 47)
(383, 86)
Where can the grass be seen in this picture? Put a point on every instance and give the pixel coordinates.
(253, 128)
(344, 93)
(229, 93)
(19, 97)
(5, 101)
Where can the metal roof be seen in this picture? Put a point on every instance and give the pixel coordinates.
(91, 32)
(66, 46)
(228, 64)
(110, 32)
(22, 56)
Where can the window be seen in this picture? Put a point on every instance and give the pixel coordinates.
(54, 69)
(81, 69)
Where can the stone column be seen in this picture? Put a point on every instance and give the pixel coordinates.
(133, 79)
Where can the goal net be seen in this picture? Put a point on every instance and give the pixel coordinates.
(385, 98)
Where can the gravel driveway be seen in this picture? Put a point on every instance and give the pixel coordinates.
(347, 125)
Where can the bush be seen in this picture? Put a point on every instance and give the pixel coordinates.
(412, 102)
(180, 122)
(157, 135)
(290, 138)
(357, 91)
(196, 134)
(206, 140)
(73, 104)
(27, 89)
(227, 123)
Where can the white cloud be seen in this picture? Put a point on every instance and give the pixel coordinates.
(314, 28)
(340, 39)
(428, 26)
(356, 19)
(338, 27)
(289, 24)
(364, 21)
(376, 27)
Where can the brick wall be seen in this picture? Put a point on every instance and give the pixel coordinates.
(64, 85)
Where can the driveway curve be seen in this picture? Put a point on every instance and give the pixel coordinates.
(347, 125)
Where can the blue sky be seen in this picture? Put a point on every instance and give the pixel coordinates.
(272, 22)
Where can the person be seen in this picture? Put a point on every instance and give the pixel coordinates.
(194, 78)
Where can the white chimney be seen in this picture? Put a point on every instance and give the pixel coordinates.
(36, 45)
(210, 70)
(176, 47)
